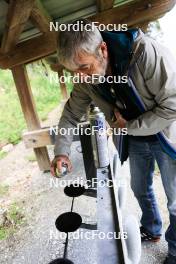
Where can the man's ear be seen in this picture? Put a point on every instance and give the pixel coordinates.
(104, 50)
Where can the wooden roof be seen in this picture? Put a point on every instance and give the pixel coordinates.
(24, 24)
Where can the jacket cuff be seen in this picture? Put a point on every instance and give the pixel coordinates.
(61, 151)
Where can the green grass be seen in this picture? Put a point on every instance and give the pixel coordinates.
(15, 214)
(47, 96)
(2, 154)
(4, 189)
(3, 233)
(14, 218)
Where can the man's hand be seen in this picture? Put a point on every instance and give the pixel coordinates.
(57, 163)
(120, 122)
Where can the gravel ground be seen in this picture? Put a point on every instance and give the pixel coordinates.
(152, 253)
(37, 241)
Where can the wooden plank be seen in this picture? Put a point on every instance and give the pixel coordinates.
(133, 13)
(37, 138)
(29, 110)
(17, 15)
(29, 50)
(41, 137)
(40, 18)
(104, 5)
(42, 158)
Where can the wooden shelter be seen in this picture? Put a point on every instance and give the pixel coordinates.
(26, 37)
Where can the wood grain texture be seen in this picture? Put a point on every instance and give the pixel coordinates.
(40, 18)
(134, 14)
(104, 5)
(29, 110)
(17, 15)
(41, 137)
(29, 50)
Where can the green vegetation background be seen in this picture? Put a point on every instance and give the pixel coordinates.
(47, 95)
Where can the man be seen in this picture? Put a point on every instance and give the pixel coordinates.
(146, 106)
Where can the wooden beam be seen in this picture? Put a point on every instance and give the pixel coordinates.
(41, 137)
(17, 15)
(40, 18)
(135, 13)
(29, 50)
(104, 5)
(37, 138)
(29, 110)
(143, 26)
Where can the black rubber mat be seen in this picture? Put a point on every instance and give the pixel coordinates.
(68, 222)
(74, 191)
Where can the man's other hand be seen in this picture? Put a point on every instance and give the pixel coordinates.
(58, 162)
(120, 122)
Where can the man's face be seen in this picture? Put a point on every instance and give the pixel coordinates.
(89, 64)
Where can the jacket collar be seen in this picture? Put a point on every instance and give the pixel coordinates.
(119, 44)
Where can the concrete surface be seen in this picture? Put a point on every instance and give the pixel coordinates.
(37, 243)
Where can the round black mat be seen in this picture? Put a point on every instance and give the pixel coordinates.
(68, 222)
(74, 191)
(61, 261)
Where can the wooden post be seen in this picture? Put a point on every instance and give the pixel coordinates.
(29, 110)
(63, 86)
(56, 67)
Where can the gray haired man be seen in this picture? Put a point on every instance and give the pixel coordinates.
(152, 71)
